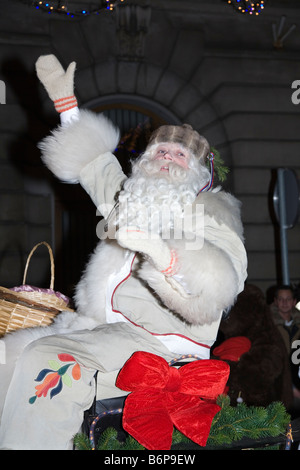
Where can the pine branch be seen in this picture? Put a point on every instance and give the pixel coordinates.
(234, 423)
(220, 169)
(229, 424)
(82, 442)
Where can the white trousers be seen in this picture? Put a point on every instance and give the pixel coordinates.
(53, 383)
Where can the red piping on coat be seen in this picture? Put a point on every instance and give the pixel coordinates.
(139, 326)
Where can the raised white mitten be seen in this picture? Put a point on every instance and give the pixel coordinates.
(160, 255)
(82, 136)
(59, 85)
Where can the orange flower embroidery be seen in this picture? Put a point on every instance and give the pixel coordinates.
(53, 379)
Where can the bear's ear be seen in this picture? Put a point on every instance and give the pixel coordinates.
(254, 294)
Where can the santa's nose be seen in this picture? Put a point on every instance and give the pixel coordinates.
(167, 155)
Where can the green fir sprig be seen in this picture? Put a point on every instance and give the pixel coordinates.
(231, 423)
(253, 422)
(221, 170)
(107, 441)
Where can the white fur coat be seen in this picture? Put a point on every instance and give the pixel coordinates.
(212, 276)
(209, 279)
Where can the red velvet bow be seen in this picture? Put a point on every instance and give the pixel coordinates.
(163, 396)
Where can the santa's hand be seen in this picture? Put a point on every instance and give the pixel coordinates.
(58, 82)
(151, 245)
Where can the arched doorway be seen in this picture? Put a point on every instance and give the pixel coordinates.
(136, 117)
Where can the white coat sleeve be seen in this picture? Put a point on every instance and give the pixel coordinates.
(102, 179)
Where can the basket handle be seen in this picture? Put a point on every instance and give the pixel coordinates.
(51, 261)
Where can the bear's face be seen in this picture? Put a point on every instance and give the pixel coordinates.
(246, 315)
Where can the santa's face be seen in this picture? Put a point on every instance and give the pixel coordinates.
(164, 180)
(171, 152)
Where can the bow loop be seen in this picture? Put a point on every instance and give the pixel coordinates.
(143, 370)
(206, 378)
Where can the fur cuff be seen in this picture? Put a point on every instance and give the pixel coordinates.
(69, 149)
(212, 284)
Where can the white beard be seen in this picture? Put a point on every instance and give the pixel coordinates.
(151, 199)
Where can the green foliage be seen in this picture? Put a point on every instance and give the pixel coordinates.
(81, 442)
(107, 441)
(229, 424)
(220, 169)
(234, 423)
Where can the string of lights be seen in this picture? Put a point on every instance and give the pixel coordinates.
(248, 7)
(67, 8)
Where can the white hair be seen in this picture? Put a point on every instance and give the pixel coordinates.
(148, 193)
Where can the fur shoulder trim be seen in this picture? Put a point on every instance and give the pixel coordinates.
(224, 208)
(69, 149)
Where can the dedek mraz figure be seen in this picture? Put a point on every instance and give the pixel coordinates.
(170, 261)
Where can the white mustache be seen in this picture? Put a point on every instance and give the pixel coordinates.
(153, 167)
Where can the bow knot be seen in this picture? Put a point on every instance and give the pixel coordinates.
(163, 397)
(174, 380)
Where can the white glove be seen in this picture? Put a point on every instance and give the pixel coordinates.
(58, 82)
(162, 257)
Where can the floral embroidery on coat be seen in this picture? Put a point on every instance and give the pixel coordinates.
(53, 379)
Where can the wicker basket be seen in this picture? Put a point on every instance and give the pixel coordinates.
(27, 306)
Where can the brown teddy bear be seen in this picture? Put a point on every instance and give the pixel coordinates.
(253, 347)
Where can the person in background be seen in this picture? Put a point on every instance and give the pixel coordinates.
(287, 319)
